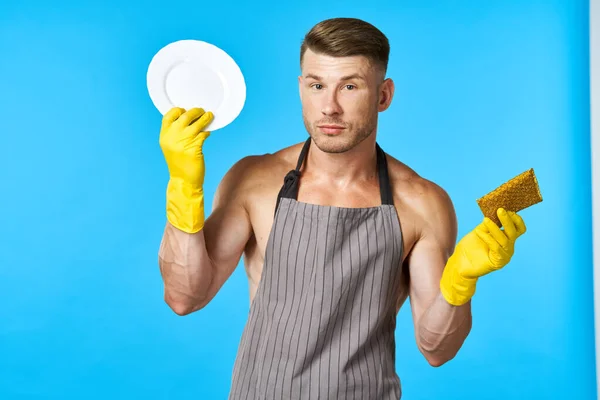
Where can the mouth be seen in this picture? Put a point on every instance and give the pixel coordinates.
(331, 129)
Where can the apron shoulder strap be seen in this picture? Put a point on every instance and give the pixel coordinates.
(289, 190)
(385, 187)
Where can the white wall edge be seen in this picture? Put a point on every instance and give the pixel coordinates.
(595, 148)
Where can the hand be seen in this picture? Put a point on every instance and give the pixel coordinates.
(181, 138)
(485, 249)
(488, 248)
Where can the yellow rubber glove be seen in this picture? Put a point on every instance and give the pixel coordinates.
(181, 138)
(485, 249)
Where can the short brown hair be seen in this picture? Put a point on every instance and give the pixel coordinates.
(345, 37)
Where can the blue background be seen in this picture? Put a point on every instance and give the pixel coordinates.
(484, 91)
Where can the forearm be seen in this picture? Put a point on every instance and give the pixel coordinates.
(186, 269)
(442, 329)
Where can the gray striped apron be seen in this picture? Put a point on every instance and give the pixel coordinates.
(322, 322)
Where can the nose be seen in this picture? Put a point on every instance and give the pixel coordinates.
(331, 106)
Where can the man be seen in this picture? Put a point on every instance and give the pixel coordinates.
(335, 235)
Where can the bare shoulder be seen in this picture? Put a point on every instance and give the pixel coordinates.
(255, 176)
(425, 205)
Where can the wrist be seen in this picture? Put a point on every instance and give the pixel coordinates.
(185, 206)
(184, 187)
(456, 288)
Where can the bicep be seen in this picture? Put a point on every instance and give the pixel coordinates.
(428, 257)
(425, 264)
(227, 232)
(227, 229)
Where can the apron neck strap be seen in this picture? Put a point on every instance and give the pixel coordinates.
(290, 183)
(385, 187)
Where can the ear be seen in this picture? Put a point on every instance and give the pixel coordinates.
(386, 94)
(300, 87)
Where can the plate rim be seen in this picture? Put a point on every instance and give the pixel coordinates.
(167, 58)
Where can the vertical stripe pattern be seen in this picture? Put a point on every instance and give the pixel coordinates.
(321, 325)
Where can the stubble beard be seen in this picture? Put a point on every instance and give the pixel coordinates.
(351, 137)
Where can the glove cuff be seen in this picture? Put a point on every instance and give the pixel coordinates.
(185, 206)
(456, 289)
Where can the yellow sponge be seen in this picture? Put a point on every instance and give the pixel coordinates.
(515, 195)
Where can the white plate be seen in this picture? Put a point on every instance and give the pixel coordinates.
(193, 73)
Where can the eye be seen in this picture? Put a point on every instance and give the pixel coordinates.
(350, 87)
(317, 86)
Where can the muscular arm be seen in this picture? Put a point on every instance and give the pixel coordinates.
(440, 328)
(195, 266)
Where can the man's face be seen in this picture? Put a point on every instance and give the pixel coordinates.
(341, 98)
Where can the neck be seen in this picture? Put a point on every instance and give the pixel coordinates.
(358, 163)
